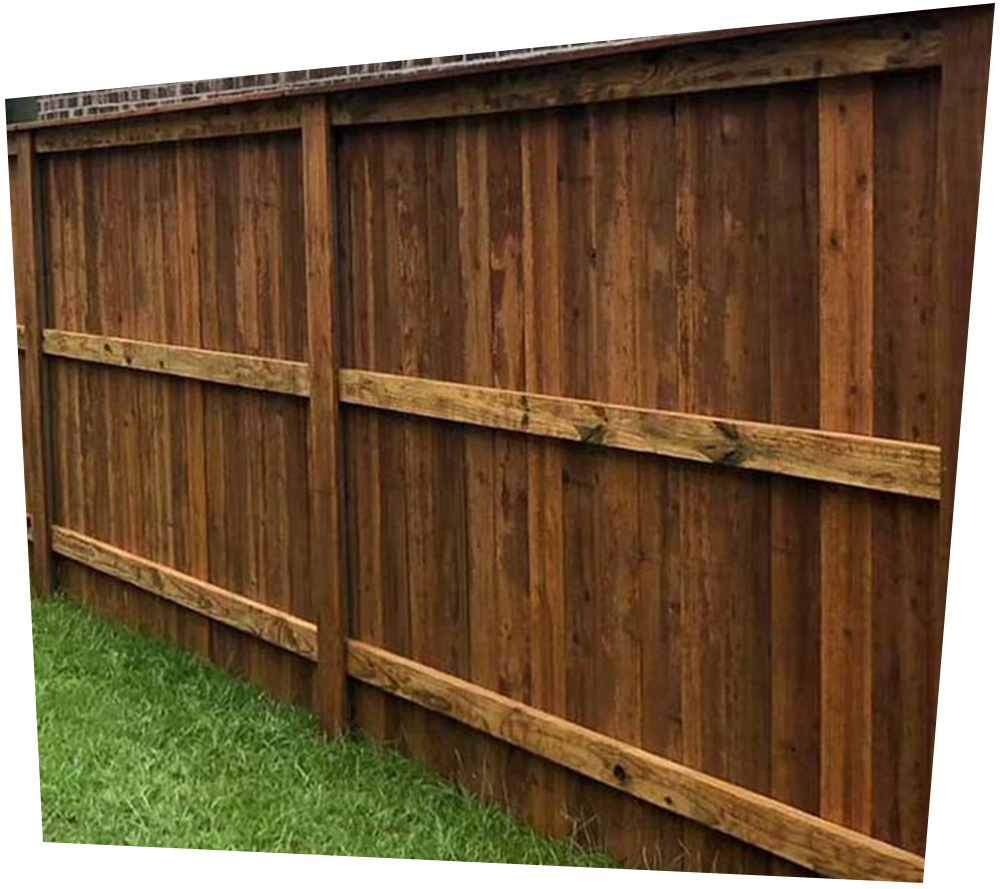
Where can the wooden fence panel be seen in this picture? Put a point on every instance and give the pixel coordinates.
(665, 299)
(198, 245)
(603, 435)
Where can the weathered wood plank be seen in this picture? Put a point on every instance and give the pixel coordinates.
(227, 368)
(325, 482)
(36, 408)
(22, 338)
(822, 52)
(656, 260)
(195, 631)
(543, 351)
(846, 321)
(472, 153)
(271, 624)
(793, 834)
(861, 461)
(904, 532)
(173, 126)
(792, 246)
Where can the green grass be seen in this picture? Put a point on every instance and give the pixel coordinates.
(141, 744)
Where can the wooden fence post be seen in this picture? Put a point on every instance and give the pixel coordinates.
(324, 425)
(35, 410)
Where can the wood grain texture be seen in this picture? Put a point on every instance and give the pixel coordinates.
(573, 54)
(26, 215)
(226, 368)
(904, 362)
(717, 197)
(792, 273)
(182, 125)
(817, 844)
(861, 461)
(274, 626)
(822, 52)
(846, 403)
(197, 260)
(325, 483)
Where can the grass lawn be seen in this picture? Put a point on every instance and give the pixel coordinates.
(141, 744)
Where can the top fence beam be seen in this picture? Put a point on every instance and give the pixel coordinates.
(660, 67)
(867, 47)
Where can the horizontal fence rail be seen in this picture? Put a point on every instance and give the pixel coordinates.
(239, 612)
(905, 43)
(831, 51)
(185, 125)
(897, 467)
(879, 464)
(246, 371)
(804, 839)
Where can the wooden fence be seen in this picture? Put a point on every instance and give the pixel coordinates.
(588, 429)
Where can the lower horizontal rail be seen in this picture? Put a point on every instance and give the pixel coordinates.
(880, 464)
(271, 624)
(766, 823)
(227, 368)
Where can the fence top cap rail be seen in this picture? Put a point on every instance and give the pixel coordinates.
(383, 79)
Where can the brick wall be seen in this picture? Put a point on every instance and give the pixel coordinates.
(63, 105)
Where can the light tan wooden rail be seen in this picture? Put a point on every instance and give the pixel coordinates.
(879, 464)
(784, 830)
(812, 842)
(898, 467)
(227, 368)
(275, 626)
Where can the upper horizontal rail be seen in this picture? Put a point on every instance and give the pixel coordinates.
(876, 463)
(863, 47)
(386, 78)
(274, 117)
(647, 68)
(228, 368)
(880, 464)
